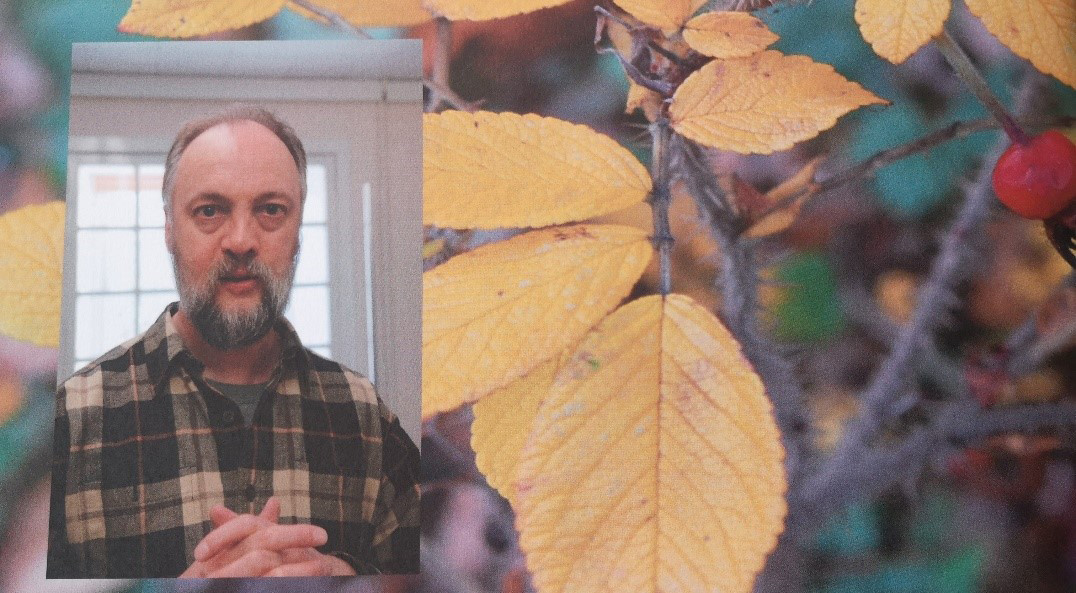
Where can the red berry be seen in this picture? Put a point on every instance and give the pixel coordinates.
(1038, 179)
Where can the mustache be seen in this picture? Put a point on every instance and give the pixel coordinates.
(235, 265)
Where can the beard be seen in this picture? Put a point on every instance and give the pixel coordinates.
(233, 329)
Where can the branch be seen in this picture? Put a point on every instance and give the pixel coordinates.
(869, 167)
(660, 196)
(889, 385)
(958, 424)
(967, 72)
(739, 296)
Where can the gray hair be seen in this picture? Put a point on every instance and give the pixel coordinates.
(258, 115)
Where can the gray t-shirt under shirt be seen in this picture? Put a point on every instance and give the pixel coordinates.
(244, 396)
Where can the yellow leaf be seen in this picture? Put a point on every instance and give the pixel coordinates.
(1042, 31)
(191, 18)
(31, 261)
(484, 10)
(493, 170)
(764, 102)
(491, 315)
(640, 97)
(432, 248)
(897, 28)
(369, 13)
(502, 421)
(667, 15)
(655, 464)
(727, 34)
(799, 187)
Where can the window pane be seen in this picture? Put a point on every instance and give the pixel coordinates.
(106, 195)
(313, 265)
(151, 305)
(323, 350)
(102, 322)
(308, 311)
(150, 206)
(154, 262)
(316, 190)
(105, 261)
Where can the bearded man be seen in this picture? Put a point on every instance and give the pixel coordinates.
(215, 444)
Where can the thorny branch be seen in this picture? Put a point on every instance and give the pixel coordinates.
(886, 395)
(738, 284)
(660, 196)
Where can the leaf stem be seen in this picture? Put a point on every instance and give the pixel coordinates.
(338, 21)
(660, 196)
(966, 70)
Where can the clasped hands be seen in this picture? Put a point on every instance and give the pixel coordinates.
(256, 546)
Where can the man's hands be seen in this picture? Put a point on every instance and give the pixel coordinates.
(253, 546)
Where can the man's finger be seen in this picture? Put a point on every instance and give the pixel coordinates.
(310, 568)
(254, 563)
(221, 514)
(271, 510)
(282, 537)
(226, 536)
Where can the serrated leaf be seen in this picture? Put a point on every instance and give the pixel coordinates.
(491, 315)
(667, 15)
(484, 10)
(191, 18)
(493, 170)
(370, 13)
(762, 103)
(655, 464)
(31, 262)
(897, 28)
(1042, 31)
(502, 421)
(727, 34)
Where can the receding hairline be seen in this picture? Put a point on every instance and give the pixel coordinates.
(194, 129)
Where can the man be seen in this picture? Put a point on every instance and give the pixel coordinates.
(215, 445)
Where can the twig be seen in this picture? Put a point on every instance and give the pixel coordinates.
(958, 424)
(660, 196)
(870, 166)
(334, 18)
(966, 70)
(1029, 348)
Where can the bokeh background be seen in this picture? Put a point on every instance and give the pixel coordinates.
(998, 516)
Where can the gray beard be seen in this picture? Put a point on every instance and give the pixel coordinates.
(231, 330)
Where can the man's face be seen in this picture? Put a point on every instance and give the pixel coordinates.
(234, 231)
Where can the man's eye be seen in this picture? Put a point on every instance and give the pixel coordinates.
(273, 209)
(208, 211)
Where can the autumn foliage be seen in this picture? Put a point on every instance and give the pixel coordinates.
(648, 443)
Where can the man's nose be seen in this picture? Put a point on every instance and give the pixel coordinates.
(241, 235)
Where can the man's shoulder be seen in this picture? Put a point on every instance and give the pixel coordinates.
(337, 381)
(111, 373)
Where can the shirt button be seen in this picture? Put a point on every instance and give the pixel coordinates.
(250, 492)
(228, 417)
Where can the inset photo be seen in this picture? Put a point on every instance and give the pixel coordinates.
(240, 348)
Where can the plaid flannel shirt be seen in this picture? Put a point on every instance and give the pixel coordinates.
(144, 449)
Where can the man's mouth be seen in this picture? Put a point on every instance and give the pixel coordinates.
(239, 282)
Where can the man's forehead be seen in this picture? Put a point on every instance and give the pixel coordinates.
(242, 144)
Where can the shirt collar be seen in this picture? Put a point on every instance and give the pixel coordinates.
(163, 339)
